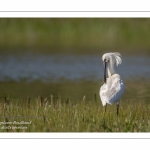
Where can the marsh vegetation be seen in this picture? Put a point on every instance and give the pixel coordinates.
(51, 72)
(66, 111)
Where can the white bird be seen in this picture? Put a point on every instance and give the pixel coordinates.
(113, 88)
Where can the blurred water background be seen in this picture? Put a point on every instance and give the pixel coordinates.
(51, 56)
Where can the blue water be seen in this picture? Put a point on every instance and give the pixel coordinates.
(55, 68)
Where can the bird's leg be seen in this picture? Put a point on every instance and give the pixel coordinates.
(105, 107)
(117, 109)
(104, 115)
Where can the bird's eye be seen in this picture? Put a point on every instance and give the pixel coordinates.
(105, 59)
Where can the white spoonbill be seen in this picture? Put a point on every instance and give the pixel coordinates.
(113, 87)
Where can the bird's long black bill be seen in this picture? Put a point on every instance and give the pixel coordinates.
(105, 65)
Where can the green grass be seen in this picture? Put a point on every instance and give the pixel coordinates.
(64, 110)
(74, 35)
(84, 116)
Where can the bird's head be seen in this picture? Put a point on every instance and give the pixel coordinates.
(111, 58)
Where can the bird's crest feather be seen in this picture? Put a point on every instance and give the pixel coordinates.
(117, 58)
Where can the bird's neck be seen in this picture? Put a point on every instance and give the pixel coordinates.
(111, 68)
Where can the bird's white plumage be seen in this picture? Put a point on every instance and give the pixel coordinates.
(113, 89)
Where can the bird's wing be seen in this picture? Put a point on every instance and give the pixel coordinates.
(103, 87)
(113, 90)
